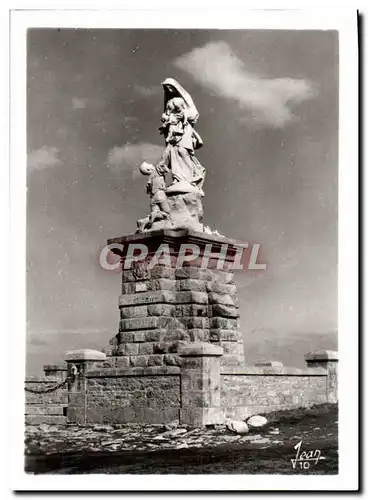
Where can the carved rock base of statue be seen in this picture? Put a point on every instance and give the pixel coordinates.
(186, 212)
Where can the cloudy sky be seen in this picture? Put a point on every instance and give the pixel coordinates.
(268, 103)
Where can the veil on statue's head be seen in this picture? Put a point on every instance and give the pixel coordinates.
(192, 112)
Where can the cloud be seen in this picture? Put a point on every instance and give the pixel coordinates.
(43, 158)
(147, 91)
(79, 103)
(127, 158)
(267, 101)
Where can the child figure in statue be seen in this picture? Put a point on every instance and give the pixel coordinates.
(172, 127)
(156, 188)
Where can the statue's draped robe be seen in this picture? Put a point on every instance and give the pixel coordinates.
(179, 154)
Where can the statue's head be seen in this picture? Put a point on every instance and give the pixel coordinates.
(146, 168)
(170, 86)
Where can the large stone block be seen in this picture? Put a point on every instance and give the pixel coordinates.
(162, 272)
(191, 285)
(153, 335)
(130, 349)
(120, 350)
(138, 324)
(141, 286)
(162, 296)
(122, 361)
(161, 284)
(145, 348)
(195, 322)
(225, 311)
(156, 360)
(221, 298)
(199, 335)
(217, 335)
(133, 312)
(224, 323)
(191, 297)
(201, 310)
(221, 287)
(172, 360)
(123, 337)
(166, 347)
(209, 275)
(128, 288)
(138, 360)
(140, 336)
(161, 310)
(161, 347)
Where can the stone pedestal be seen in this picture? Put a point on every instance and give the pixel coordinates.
(168, 301)
(201, 385)
(78, 363)
(329, 361)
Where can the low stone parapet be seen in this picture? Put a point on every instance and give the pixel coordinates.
(199, 390)
(44, 405)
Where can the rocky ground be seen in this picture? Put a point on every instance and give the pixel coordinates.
(175, 449)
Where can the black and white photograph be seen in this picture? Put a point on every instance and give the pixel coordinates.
(181, 247)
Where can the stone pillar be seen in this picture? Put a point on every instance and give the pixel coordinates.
(327, 360)
(166, 302)
(200, 384)
(58, 371)
(78, 363)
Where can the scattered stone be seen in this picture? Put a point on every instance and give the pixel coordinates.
(47, 440)
(107, 443)
(257, 421)
(237, 426)
(172, 425)
(102, 428)
(182, 445)
(261, 440)
(175, 433)
(160, 437)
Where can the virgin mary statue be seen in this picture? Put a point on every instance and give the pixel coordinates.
(181, 139)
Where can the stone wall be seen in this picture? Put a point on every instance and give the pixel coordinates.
(201, 391)
(261, 390)
(133, 395)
